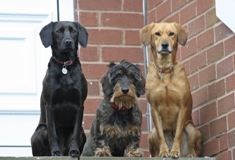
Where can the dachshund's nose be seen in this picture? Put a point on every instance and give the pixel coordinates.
(125, 90)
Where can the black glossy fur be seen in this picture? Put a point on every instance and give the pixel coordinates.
(117, 132)
(60, 132)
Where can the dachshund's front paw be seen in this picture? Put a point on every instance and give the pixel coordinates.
(103, 152)
(134, 153)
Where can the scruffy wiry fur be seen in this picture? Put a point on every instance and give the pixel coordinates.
(116, 131)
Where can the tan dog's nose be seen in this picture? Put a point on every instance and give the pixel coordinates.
(165, 45)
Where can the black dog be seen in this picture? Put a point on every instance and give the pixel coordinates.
(60, 132)
(117, 126)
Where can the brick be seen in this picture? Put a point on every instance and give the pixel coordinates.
(187, 13)
(229, 46)
(211, 18)
(122, 53)
(91, 105)
(93, 88)
(226, 155)
(132, 5)
(223, 141)
(200, 96)
(207, 75)
(196, 26)
(186, 67)
(90, 70)
(152, 17)
(231, 139)
(89, 54)
(105, 36)
(211, 148)
(203, 5)
(163, 10)
(88, 18)
(177, 4)
(231, 120)
(225, 67)
(88, 119)
(143, 105)
(122, 20)
(230, 82)
(153, 3)
(111, 5)
(205, 39)
(221, 32)
(208, 112)
(216, 89)
(144, 122)
(218, 126)
(215, 53)
(143, 140)
(193, 81)
(198, 61)
(205, 131)
(195, 117)
(132, 37)
(189, 48)
(174, 18)
(225, 104)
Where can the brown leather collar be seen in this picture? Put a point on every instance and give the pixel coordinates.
(67, 63)
(114, 106)
(164, 70)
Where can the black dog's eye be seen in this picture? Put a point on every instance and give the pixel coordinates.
(119, 75)
(73, 31)
(58, 31)
(171, 34)
(131, 76)
(157, 34)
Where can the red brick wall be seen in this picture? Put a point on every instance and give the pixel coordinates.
(208, 57)
(113, 27)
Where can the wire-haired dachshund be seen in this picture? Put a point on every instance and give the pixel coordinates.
(60, 132)
(117, 125)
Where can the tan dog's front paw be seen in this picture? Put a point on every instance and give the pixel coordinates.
(103, 152)
(174, 154)
(134, 153)
(164, 154)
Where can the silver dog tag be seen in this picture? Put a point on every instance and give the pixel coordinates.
(64, 71)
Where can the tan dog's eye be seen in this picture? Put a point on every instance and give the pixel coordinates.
(157, 34)
(171, 34)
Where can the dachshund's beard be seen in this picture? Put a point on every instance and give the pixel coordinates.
(127, 100)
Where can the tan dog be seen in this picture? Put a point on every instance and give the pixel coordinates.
(168, 93)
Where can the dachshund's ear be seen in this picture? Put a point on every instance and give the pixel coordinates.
(182, 34)
(145, 34)
(82, 35)
(46, 35)
(140, 86)
(107, 88)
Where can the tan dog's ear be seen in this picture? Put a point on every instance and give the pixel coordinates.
(145, 34)
(182, 34)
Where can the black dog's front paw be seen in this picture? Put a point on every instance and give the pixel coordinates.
(56, 153)
(74, 153)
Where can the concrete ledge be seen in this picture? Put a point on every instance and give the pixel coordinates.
(98, 158)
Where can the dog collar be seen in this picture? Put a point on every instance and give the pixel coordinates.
(164, 70)
(114, 106)
(65, 64)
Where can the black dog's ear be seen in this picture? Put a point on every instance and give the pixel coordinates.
(82, 35)
(46, 35)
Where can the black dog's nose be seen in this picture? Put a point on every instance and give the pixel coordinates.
(125, 90)
(68, 41)
(165, 45)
